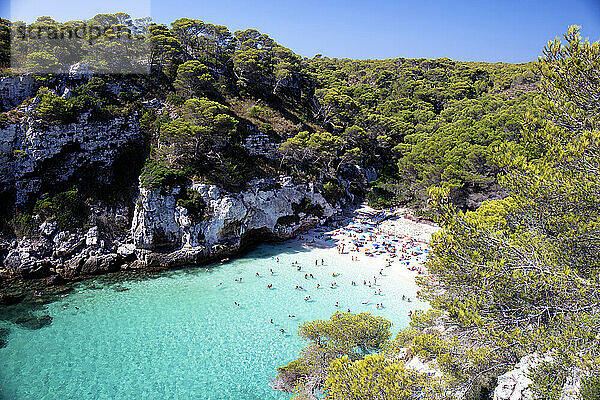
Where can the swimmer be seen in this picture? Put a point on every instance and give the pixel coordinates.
(219, 284)
(257, 274)
(271, 320)
(271, 271)
(337, 304)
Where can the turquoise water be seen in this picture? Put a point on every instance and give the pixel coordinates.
(180, 336)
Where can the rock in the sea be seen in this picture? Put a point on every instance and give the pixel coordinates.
(29, 258)
(30, 321)
(101, 264)
(3, 337)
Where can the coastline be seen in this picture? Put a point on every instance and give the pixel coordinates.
(383, 222)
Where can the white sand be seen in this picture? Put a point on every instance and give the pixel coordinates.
(403, 226)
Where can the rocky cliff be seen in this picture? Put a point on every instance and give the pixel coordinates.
(165, 234)
(168, 226)
(35, 157)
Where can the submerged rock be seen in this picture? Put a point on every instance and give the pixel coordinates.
(4, 332)
(32, 322)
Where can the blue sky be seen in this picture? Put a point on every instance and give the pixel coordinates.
(483, 30)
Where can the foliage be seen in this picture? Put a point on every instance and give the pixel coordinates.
(156, 175)
(373, 377)
(67, 208)
(193, 202)
(353, 336)
(523, 271)
(194, 79)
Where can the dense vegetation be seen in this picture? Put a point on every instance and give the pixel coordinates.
(416, 123)
(519, 275)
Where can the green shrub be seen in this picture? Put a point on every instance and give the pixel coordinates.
(590, 388)
(256, 112)
(193, 202)
(156, 175)
(67, 208)
(23, 224)
(333, 192)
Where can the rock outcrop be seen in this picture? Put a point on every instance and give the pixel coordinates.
(274, 210)
(34, 156)
(165, 234)
(515, 384)
(15, 89)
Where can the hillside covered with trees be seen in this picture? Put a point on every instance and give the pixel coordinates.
(407, 123)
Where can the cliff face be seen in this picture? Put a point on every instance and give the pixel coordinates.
(269, 206)
(165, 234)
(166, 227)
(35, 156)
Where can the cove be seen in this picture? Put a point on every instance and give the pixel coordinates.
(180, 335)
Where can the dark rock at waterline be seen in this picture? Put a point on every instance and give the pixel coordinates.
(120, 288)
(30, 321)
(54, 280)
(94, 265)
(178, 258)
(8, 299)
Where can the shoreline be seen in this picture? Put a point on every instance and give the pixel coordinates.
(383, 222)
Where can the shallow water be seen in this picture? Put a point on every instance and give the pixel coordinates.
(180, 336)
